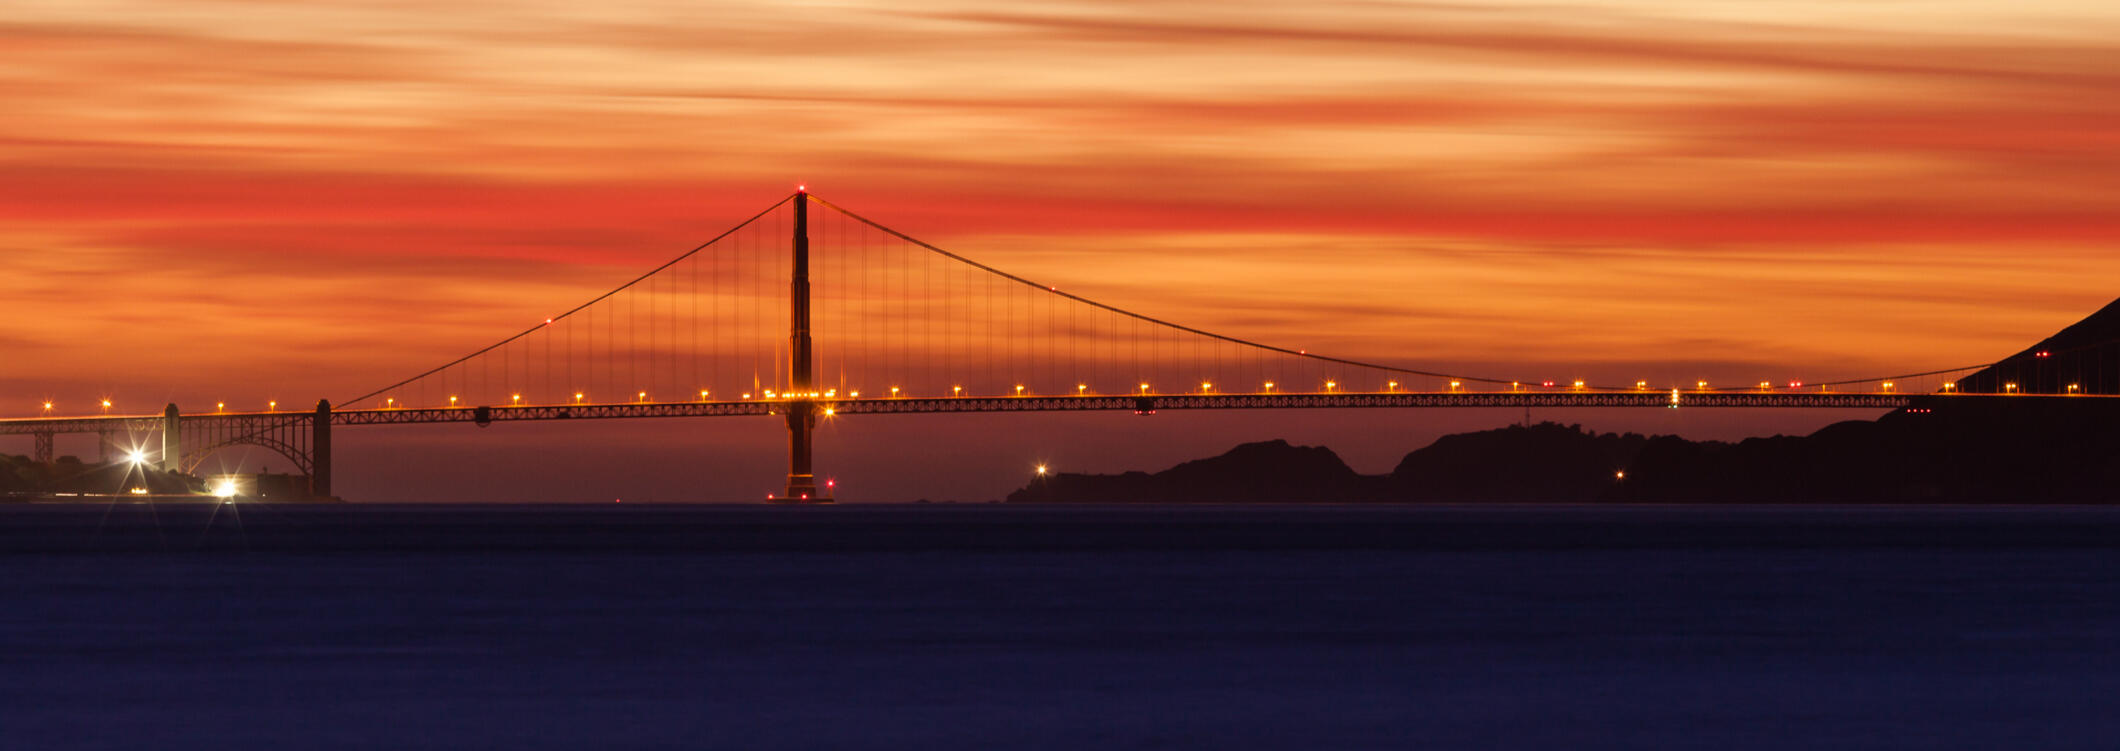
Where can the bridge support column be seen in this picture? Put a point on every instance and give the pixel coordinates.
(172, 448)
(43, 454)
(106, 447)
(320, 451)
(802, 380)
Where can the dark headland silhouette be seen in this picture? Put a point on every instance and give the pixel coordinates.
(1939, 450)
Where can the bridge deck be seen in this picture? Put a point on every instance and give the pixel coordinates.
(1059, 403)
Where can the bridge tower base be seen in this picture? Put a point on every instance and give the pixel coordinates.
(802, 480)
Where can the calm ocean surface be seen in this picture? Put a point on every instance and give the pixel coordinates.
(977, 627)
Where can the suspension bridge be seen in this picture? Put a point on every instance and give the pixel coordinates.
(808, 311)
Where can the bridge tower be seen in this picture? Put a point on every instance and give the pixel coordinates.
(320, 451)
(802, 381)
(172, 448)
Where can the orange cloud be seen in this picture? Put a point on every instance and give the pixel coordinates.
(206, 199)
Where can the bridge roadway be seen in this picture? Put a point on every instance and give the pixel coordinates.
(1033, 403)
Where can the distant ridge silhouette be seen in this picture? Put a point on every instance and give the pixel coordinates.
(1939, 450)
(2082, 354)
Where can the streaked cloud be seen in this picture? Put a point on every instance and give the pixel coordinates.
(1744, 186)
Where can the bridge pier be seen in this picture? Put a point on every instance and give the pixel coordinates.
(802, 481)
(320, 451)
(172, 448)
(43, 454)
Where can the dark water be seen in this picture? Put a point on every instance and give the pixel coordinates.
(993, 627)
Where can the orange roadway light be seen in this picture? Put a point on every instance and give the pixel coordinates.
(515, 398)
(578, 397)
(452, 401)
(271, 406)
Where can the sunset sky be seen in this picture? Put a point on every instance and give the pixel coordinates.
(245, 201)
